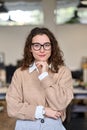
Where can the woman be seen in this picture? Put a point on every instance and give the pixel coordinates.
(41, 88)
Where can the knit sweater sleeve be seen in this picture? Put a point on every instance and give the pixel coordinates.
(59, 92)
(16, 107)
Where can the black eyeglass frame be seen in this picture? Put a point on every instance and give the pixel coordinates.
(41, 46)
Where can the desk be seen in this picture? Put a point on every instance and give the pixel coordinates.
(6, 123)
(3, 91)
(80, 91)
(79, 95)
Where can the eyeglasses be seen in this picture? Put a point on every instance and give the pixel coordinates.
(37, 46)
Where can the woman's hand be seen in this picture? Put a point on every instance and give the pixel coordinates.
(42, 66)
(52, 113)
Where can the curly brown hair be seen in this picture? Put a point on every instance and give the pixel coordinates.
(56, 58)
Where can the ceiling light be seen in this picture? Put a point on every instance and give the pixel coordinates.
(84, 2)
(3, 8)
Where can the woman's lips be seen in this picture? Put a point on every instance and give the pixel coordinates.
(41, 55)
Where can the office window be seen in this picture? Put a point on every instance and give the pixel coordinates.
(71, 11)
(22, 13)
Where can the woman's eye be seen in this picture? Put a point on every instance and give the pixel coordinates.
(36, 45)
(47, 44)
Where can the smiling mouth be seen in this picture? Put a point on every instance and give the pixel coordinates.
(41, 55)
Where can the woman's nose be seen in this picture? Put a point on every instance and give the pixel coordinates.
(42, 49)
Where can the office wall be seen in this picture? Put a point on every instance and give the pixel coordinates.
(12, 41)
(72, 40)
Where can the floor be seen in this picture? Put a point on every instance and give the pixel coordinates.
(6, 123)
(77, 122)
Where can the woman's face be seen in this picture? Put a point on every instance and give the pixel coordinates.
(40, 52)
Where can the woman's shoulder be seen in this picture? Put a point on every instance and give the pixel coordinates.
(64, 68)
(19, 71)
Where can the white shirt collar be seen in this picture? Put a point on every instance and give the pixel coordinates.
(32, 68)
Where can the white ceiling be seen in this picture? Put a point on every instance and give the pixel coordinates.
(22, 5)
(19, 0)
(33, 4)
(60, 1)
(65, 3)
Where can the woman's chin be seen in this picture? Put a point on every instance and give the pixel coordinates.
(42, 60)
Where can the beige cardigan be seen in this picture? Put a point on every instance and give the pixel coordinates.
(26, 91)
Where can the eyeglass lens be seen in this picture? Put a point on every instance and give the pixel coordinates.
(37, 46)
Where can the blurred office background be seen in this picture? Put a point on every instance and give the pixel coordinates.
(67, 19)
(71, 36)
